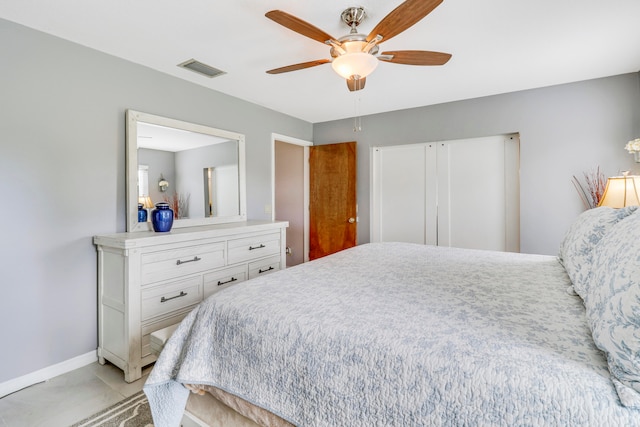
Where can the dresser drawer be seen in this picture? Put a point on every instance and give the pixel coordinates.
(176, 262)
(264, 266)
(221, 279)
(164, 299)
(254, 247)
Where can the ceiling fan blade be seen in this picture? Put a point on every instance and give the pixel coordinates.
(300, 66)
(415, 57)
(298, 25)
(402, 17)
(356, 84)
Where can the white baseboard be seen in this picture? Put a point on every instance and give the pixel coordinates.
(47, 373)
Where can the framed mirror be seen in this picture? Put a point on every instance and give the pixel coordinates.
(198, 170)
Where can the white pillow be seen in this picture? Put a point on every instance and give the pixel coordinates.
(613, 305)
(584, 234)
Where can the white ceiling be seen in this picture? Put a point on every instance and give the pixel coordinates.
(498, 46)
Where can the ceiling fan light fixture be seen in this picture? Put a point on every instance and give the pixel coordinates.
(355, 56)
(358, 64)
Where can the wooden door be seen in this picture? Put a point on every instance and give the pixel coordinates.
(332, 198)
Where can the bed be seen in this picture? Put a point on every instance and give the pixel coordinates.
(398, 334)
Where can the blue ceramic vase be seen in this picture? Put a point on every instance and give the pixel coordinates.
(162, 217)
(142, 213)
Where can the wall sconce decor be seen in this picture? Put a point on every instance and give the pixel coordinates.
(163, 184)
(633, 147)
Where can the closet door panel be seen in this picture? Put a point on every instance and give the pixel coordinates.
(431, 192)
(471, 194)
(400, 195)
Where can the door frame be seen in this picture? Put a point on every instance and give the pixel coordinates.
(305, 144)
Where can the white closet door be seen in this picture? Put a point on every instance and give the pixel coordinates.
(471, 194)
(401, 190)
(461, 193)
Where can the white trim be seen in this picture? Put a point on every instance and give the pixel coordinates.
(306, 144)
(290, 140)
(47, 373)
(374, 194)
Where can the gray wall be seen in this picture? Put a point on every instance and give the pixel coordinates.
(564, 130)
(62, 169)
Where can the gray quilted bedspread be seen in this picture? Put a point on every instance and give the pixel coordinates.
(396, 334)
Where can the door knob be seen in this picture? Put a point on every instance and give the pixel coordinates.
(352, 220)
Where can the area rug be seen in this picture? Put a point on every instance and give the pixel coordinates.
(131, 412)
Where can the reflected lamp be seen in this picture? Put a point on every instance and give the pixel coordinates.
(146, 202)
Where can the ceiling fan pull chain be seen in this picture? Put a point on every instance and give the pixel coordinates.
(357, 119)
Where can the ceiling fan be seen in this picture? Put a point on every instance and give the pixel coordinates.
(355, 55)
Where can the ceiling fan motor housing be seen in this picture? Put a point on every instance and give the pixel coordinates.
(353, 43)
(353, 16)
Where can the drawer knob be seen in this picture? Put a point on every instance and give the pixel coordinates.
(257, 247)
(260, 271)
(181, 294)
(233, 279)
(195, 258)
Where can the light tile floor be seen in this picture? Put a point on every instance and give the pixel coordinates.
(69, 398)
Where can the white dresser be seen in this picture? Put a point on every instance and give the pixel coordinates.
(148, 281)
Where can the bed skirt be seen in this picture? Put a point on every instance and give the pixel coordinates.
(217, 408)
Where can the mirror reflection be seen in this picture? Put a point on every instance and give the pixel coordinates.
(174, 160)
(198, 170)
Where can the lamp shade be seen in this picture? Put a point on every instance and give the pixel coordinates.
(358, 64)
(146, 202)
(621, 191)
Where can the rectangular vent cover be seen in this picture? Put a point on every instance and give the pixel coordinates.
(200, 68)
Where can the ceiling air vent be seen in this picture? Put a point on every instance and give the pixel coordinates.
(200, 68)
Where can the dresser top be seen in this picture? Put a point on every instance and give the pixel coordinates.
(151, 238)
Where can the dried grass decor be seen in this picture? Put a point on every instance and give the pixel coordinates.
(591, 192)
(179, 203)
